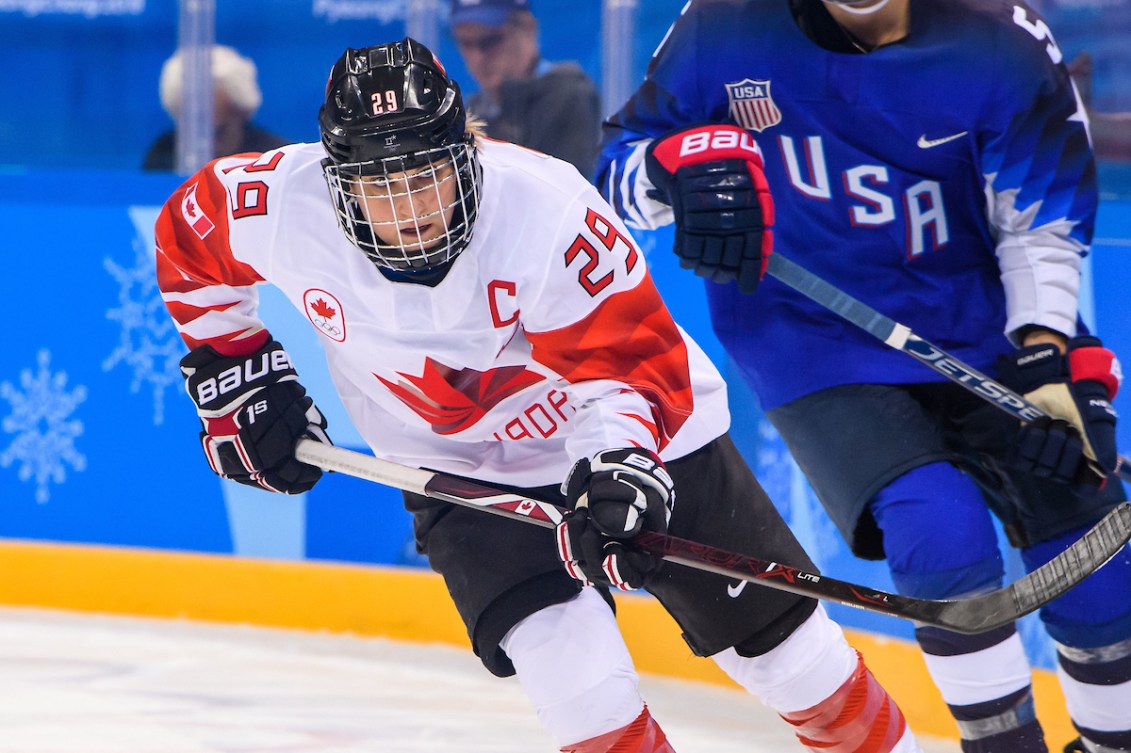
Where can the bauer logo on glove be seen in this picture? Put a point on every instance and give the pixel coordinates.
(231, 381)
(252, 411)
(712, 178)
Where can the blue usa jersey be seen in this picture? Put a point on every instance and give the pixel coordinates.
(946, 180)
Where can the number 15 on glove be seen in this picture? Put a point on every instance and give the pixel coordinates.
(252, 412)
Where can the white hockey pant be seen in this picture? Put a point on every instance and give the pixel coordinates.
(573, 664)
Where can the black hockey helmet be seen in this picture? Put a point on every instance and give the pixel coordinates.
(390, 111)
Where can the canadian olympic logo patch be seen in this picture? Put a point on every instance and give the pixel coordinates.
(325, 313)
(194, 215)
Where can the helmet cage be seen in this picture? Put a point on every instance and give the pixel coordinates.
(412, 211)
(402, 170)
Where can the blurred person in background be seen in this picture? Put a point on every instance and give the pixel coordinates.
(236, 98)
(552, 107)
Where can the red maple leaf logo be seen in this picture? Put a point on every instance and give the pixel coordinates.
(323, 309)
(190, 208)
(451, 400)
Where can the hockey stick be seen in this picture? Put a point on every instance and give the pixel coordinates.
(900, 337)
(974, 614)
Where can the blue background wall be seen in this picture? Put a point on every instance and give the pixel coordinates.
(86, 93)
(80, 84)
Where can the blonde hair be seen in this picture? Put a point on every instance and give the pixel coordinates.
(476, 128)
(232, 73)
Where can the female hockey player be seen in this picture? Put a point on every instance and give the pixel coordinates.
(483, 313)
(931, 158)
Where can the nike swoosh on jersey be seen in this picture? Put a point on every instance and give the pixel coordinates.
(734, 589)
(926, 143)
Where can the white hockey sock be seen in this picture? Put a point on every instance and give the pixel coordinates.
(804, 670)
(981, 676)
(1105, 708)
(573, 665)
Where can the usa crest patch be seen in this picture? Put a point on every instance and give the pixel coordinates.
(751, 105)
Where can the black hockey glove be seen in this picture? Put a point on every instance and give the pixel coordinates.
(1077, 441)
(253, 411)
(612, 498)
(712, 177)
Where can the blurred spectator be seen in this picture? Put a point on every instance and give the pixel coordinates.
(550, 107)
(1111, 131)
(236, 97)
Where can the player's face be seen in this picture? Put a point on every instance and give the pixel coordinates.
(412, 209)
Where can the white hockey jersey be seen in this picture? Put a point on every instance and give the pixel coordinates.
(545, 343)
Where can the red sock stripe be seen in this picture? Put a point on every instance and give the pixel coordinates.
(643, 735)
(860, 717)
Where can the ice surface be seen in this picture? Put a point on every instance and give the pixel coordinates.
(75, 683)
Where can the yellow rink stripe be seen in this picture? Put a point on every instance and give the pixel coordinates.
(398, 603)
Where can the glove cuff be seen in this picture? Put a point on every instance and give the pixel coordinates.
(694, 146)
(217, 383)
(1032, 366)
(1089, 360)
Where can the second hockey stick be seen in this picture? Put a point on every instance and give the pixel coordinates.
(973, 614)
(900, 337)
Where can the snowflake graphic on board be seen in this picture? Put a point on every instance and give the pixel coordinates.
(148, 343)
(43, 429)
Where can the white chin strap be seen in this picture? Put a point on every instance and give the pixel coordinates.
(858, 11)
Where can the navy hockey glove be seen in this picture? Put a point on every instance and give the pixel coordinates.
(712, 177)
(612, 498)
(1076, 390)
(253, 411)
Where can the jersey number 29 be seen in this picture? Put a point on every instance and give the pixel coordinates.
(609, 237)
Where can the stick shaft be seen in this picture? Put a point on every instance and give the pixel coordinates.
(900, 337)
(972, 615)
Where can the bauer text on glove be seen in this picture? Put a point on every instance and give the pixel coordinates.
(253, 410)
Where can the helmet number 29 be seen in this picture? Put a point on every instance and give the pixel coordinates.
(384, 102)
